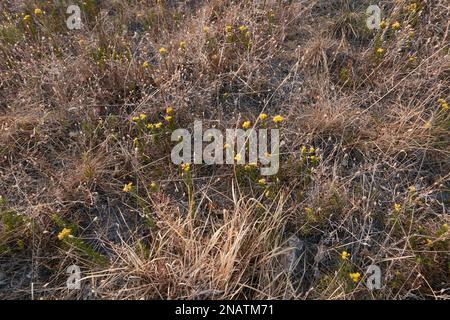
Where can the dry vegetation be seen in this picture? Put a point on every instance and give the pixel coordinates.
(375, 183)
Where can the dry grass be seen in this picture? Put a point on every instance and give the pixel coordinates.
(67, 148)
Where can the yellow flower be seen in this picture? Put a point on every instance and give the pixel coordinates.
(128, 187)
(413, 7)
(411, 34)
(251, 166)
(302, 150)
(26, 17)
(145, 65)
(427, 125)
(182, 45)
(150, 126)
(397, 208)
(238, 157)
(153, 186)
(380, 51)
(383, 24)
(168, 118)
(278, 119)
(246, 125)
(412, 59)
(158, 125)
(142, 116)
(135, 119)
(262, 116)
(445, 227)
(186, 167)
(205, 29)
(443, 103)
(267, 193)
(262, 181)
(169, 111)
(345, 255)
(37, 11)
(312, 150)
(162, 51)
(64, 233)
(228, 29)
(243, 29)
(412, 189)
(355, 276)
(429, 242)
(226, 146)
(396, 25)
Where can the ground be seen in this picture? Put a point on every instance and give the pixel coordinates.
(86, 176)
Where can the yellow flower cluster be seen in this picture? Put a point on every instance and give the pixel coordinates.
(355, 276)
(143, 117)
(128, 187)
(64, 234)
(186, 167)
(246, 124)
(229, 32)
(345, 255)
(278, 119)
(243, 28)
(162, 51)
(153, 186)
(413, 7)
(37, 11)
(443, 104)
(396, 26)
(169, 114)
(262, 117)
(250, 166)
